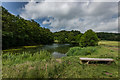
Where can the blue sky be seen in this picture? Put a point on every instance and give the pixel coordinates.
(14, 7)
(99, 16)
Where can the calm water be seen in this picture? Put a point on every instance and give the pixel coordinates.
(57, 50)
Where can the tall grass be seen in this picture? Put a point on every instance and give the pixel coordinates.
(69, 68)
(17, 58)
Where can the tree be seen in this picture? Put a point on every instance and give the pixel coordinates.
(77, 38)
(66, 36)
(71, 37)
(109, 36)
(61, 38)
(89, 38)
(19, 32)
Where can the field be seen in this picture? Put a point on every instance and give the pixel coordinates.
(42, 65)
(109, 43)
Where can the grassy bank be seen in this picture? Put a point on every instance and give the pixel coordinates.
(98, 51)
(42, 65)
(17, 58)
(70, 67)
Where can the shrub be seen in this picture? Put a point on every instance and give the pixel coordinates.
(75, 51)
(89, 39)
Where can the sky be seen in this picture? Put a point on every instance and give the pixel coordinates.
(69, 15)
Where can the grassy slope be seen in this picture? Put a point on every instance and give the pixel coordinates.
(109, 43)
(67, 67)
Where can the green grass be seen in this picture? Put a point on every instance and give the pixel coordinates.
(41, 65)
(98, 51)
(29, 46)
(70, 67)
(109, 43)
(17, 58)
(21, 48)
(76, 51)
(56, 41)
(74, 69)
(13, 49)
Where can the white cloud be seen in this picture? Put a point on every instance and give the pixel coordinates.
(99, 16)
(46, 22)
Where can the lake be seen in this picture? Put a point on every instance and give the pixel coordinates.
(57, 50)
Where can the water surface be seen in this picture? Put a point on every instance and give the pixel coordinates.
(57, 50)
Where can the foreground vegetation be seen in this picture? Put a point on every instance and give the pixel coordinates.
(70, 67)
(43, 65)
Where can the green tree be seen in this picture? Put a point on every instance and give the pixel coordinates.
(66, 36)
(19, 32)
(77, 37)
(89, 38)
(71, 37)
(61, 38)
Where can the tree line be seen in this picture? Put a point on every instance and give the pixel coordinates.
(89, 38)
(109, 36)
(67, 36)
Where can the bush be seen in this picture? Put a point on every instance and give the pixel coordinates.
(75, 51)
(89, 39)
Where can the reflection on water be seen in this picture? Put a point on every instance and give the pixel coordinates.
(58, 55)
(57, 50)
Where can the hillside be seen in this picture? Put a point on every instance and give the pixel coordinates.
(17, 31)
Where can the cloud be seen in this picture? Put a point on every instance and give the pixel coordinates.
(99, 16)
(46, 22)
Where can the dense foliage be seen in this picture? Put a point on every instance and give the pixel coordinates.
(74, 36)
(109, 36)
(17, 31)
(67, 36)
(89, 39)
